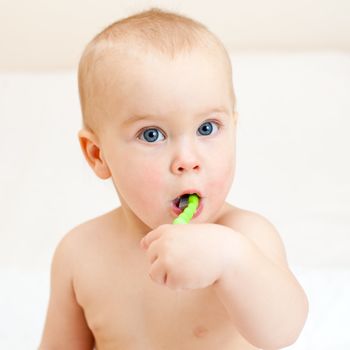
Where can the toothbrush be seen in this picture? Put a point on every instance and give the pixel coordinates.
(191, 204)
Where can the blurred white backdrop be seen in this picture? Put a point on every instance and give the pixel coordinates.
(40, 34)
(292, 158)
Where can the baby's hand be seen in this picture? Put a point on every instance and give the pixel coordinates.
(189, 256)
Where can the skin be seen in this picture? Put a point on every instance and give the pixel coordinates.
(129, 279)
(177, 93)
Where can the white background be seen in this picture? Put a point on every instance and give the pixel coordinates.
(40, 34)
(292, 167)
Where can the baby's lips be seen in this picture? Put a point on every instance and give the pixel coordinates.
(177, 211)
(183, 201)
(188, 192)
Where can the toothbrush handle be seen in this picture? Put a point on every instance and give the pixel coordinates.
(188, 212)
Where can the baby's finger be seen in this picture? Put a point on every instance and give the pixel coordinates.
(150, 237)
(152, 253)
(157, 272)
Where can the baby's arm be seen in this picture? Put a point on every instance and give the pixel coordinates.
(65, 326)
(260, 293)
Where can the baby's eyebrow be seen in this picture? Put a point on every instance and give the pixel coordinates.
(214, 110)
(136, 118)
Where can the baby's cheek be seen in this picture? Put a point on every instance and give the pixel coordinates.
(151, 182)
(152, 178)
(222, 176)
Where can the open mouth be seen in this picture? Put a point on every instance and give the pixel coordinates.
(181, 202)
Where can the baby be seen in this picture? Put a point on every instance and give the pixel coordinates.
(159, 119)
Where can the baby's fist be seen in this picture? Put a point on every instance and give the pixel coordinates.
(188, 256)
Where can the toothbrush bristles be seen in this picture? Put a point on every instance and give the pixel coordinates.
(183, 202)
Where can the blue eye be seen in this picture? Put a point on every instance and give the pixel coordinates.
(150, 135)
(207, 128)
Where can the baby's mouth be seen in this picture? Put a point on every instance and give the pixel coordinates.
(181, 202)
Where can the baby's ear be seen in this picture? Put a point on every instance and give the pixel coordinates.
(93, 154)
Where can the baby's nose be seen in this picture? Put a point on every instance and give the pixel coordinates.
(185, 164)
(186, 156)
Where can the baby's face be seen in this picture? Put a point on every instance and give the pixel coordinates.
(170, 128)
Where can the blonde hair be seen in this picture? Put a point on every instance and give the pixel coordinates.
(167, 33)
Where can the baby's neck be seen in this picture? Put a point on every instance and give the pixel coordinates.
(132, 225)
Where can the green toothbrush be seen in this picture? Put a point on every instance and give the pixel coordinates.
(186, 215)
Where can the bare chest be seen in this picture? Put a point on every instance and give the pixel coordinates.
(126, 310)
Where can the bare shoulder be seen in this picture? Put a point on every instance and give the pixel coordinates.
(66, 326)
(88, 234)
(258, 229)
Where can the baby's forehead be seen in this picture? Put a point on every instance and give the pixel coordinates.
(115, 68)
(152, 71)
(124, 61)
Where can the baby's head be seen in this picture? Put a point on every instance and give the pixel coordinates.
(159, 114)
